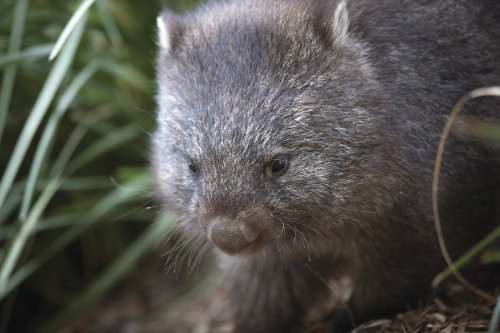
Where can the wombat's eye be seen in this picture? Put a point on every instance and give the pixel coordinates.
(193, 168)
(277, 166)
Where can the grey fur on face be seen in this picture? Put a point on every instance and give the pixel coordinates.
(305, 131)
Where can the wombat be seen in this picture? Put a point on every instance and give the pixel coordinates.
(296, 140)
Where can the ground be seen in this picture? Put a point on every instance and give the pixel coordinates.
(154, 302)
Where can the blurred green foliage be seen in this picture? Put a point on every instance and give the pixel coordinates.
(75, 191)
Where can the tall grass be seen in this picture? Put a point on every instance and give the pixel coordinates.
(73, 136)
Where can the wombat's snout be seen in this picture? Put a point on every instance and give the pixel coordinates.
(234, 236)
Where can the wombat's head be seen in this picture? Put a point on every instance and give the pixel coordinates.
(267, 120)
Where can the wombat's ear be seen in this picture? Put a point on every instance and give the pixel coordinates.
(340, 24)
(169, 29)
(331, 20)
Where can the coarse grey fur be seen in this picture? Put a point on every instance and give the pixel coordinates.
(351, 97)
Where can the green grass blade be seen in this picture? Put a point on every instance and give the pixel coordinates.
(128, 191)
(72, 184)
(70, 26)
(30, 53)
(108, 24)
(8, 208)
(65, 220)
(58, 221)
(111, 141)
(50, 130)
(27, 227)
(135, 78)
(145, 243)
(70, 147)
(56, 75)
(467, 256)
(23, 234)
(495, 317)
(490, 257)
(9, 75)
(114, 139)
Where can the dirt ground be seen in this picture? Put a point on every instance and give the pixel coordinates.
(154, 302)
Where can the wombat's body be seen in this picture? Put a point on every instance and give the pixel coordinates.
(299, 138)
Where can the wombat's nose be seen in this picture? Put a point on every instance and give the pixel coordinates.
(230, 235)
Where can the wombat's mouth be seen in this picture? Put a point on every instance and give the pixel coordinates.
(235, 237)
